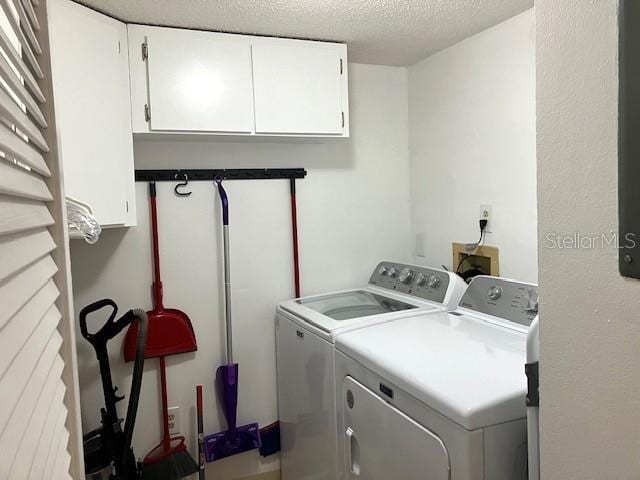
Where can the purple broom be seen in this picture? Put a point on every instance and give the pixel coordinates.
(235, 439)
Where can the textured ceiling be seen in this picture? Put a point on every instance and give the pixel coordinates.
(388, 32)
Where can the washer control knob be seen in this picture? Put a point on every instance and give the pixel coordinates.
(421, 280)
(434, 281)
(494, 292)
(393, 272)
(406, 275)
(382, 270)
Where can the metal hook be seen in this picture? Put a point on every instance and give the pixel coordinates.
(181, 185)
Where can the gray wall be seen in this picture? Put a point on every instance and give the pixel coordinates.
(472, 142)
(590, 327)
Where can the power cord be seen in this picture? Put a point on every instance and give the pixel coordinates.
(469, 247)
(483, 225)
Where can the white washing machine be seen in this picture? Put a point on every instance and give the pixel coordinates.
(439, 396)
(305, 332)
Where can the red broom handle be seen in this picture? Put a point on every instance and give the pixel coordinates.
(166, 439)
(157, 282)
(294, 229)
(199, 400)
(200, 415)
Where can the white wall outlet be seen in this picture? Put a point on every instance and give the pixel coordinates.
(486, 214)
(174, 420)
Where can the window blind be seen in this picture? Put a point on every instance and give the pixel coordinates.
(39, 423)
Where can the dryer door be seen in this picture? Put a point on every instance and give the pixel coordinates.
(381, 442)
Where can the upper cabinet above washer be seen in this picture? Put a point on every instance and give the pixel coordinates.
(298, 87)
(185, 81)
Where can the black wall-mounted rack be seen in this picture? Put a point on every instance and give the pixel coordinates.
(629, 140)
(193, 175)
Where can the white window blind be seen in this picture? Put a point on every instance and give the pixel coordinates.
(39, 423)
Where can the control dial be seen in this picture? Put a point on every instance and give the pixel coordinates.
(406, 275)
(421, 280)
(434, 281)
(382, 270)
(494, 292)
(393, 272)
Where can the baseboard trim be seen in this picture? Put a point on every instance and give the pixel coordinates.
(272, 475)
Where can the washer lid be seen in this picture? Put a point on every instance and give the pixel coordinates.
(356, 303)
(467, 369)
(346, 309)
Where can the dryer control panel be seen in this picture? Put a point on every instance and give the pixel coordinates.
(507, 299)
(427, 283)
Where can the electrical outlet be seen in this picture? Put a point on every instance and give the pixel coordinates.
(486, 214)
(174, 420)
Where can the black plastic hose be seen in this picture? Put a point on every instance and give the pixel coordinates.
(136, 383)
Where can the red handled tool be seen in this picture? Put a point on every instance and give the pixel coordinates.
(200, 415)
(169, 333)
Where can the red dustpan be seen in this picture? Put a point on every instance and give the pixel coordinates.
(169, 333)
(170, 330)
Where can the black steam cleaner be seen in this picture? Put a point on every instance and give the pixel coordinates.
(107, 449)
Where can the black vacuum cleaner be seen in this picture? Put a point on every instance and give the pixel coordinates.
(108, 448)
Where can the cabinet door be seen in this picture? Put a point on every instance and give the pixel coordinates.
(298, 87)
(91, 92)
(381, 442)
(199, 81)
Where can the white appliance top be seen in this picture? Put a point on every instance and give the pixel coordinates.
(467, 364)
(395, 290)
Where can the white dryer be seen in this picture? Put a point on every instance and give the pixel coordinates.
(305, 332)
(439, 396)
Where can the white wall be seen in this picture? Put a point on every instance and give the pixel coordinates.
(353, 212)
(472, 142)
(589, 314)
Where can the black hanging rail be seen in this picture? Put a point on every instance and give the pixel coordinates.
(193, 175)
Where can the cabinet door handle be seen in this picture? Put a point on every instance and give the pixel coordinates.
(352, 461)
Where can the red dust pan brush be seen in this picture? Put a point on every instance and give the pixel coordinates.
(170, 459)
(169, 333)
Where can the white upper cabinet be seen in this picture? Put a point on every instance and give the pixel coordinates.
(91, 95)
(199, 81)
(298, 87)
(185, 81)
